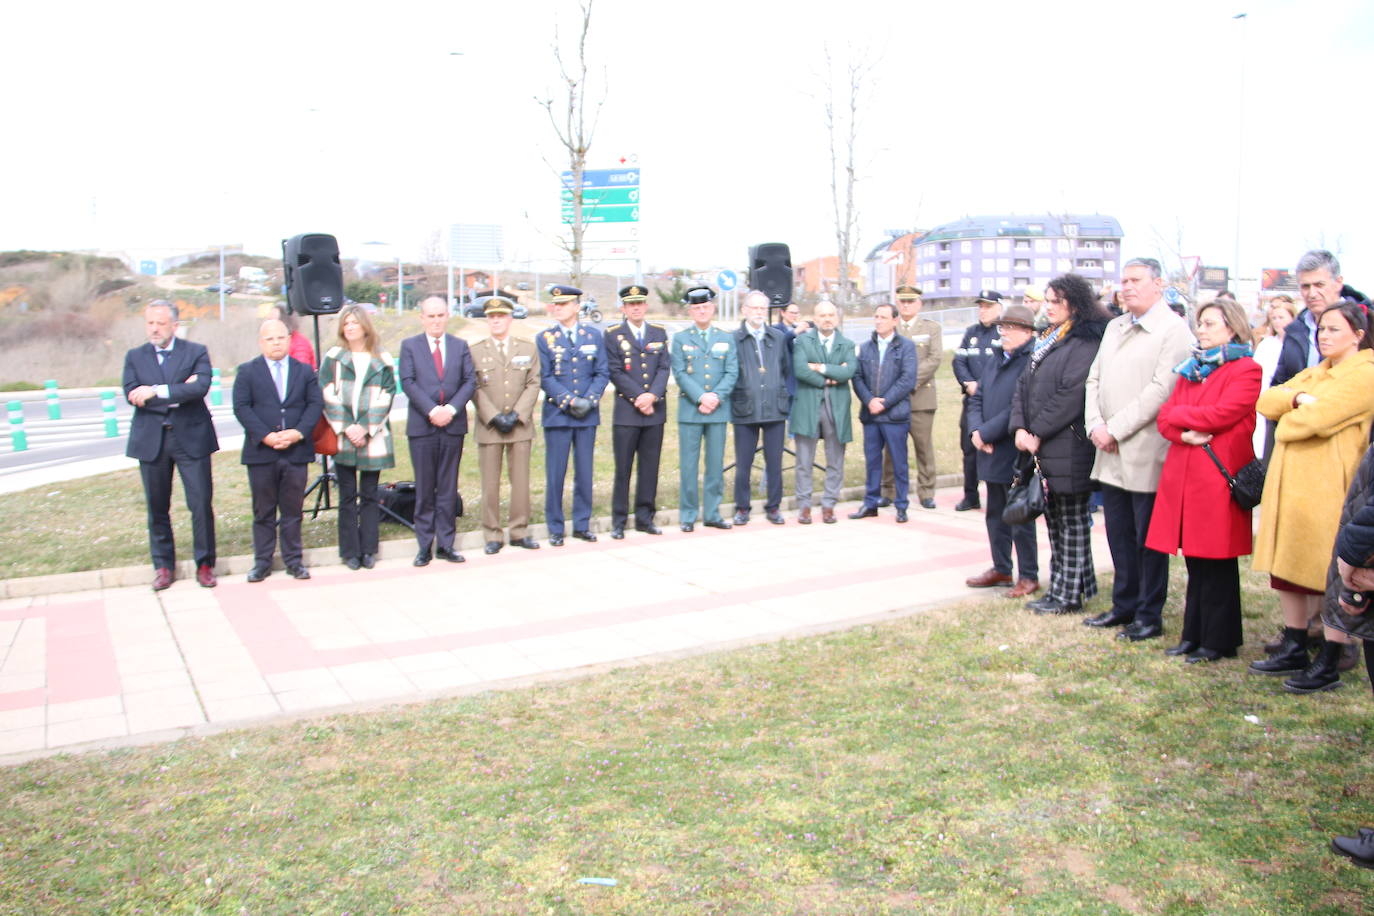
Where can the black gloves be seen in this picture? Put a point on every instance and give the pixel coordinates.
(579, 408)
(503, 423)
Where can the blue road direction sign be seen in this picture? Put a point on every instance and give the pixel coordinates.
(727, 280)
(605, 178)
(147, 268)
(608, 196)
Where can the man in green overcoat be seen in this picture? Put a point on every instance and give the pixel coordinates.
(823, 361)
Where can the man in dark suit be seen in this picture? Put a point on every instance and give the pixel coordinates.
(759, 406)
(638, 359)
(166, 381)
(438, 380)
(884, 382)
(573, 375)
(277, 401)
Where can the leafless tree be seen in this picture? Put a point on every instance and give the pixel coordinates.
(574, 130)
(842, 128)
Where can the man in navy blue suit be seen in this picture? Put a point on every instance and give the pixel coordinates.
(573, 374)
(277, 401)
(166, 380)
(884, 382)
(438, 379)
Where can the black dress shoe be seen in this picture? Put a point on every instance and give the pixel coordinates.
(1358, 849)
(298, 572)
(555, 540)
(1138, 632)
(720, 523)
(421, 559)
(618, 533)
(865, 512)
(1112, 618)
(355, 563)
(259, 573)
(650, 528)
(687, 527)
(927, 504)
(741, 519)
(1204, 654)
(775, 517)
(901, 516)
(1183, 648)
(450, 555)
(526, 542)
(585, 536)
(491, 547)
(884, 502)
(1048, 605)
(966, 504)
(368, 561)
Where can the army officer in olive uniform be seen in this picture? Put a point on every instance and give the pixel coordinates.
(926, 335)
(706, 368)
(573, 375)
(638, 358)
(507, 389)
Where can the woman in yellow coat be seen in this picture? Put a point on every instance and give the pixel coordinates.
(1322, 418)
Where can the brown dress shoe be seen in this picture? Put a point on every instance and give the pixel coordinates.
(205, 575)
(162, 578)
(1024, 587)
(804, 516)
(988, 579)
(828, 515)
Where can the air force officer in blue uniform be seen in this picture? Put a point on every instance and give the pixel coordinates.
(573, 374)
(884, 382)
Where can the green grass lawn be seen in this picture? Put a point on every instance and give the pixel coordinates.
(972, 759)
(100, 522)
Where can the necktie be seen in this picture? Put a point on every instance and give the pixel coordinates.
(280, 382)
(162, 357)
(825, 342)
(439, 368)
(501, 350)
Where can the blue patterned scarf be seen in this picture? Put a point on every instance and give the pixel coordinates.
(1201, 364)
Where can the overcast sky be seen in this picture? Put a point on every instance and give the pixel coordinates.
(181, 125)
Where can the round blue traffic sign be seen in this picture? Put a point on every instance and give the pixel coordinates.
(727, 280)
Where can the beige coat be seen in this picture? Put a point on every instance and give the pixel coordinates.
(512, 384)
(1317, 448)
(1129, 381)
(928, 338)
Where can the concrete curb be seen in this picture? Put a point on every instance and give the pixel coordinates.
(472, 541)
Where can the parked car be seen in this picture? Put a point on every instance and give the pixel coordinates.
(215, 287)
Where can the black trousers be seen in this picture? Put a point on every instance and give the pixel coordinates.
(278, 490)
(359, 514)
(638, 449)
(198, 486)
(1211, 610)
(746, 443)
(1002, 536)
(436, 459)
(970, 456)
(1142, 574)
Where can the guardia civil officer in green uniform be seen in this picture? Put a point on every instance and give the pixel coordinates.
(638, 357)
(706, 367)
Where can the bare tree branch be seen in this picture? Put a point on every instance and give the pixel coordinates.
(842, 130)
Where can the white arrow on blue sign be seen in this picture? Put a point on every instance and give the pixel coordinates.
(727, 280)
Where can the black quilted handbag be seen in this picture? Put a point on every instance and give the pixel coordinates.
(1247, 485)
(1026, 496)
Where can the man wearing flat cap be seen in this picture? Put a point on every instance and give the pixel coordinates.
(982, 341)
(926, 335)
(573, 375)
(638, 358)
(706, 367)
(507, 390)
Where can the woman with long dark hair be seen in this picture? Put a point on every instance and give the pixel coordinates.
(1047, 415)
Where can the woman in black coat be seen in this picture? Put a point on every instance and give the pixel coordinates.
(1047, 415)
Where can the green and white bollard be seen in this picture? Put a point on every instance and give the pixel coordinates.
(19, 440)
(216, 388)
(107, 409)
(54, 408)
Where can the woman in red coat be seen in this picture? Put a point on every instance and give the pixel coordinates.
(1212, 404)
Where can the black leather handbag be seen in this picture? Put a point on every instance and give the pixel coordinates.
(1247, 485)
(1026, 496)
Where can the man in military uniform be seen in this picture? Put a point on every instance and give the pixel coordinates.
(573, 375)
(705, 367)
(759, 406)
(925, 334)
(637, 354)
(507, 389)
(982, 343)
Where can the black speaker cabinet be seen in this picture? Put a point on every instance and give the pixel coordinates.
(314, 276)
(770, 271)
